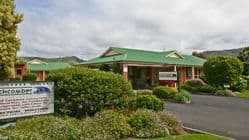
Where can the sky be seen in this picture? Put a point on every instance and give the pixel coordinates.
(86, 28)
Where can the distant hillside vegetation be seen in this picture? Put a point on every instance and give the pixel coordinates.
(68, 59)
(231, 52)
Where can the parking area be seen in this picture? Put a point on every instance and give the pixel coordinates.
(227, 116)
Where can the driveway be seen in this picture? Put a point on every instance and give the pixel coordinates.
(227, 116)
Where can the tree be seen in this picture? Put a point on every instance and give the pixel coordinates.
(104, 67)
(116, 68)
(244, 57)
(9, 43)
(201, 55)
(222, 70)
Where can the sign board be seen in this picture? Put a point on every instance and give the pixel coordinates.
(226, 86)
(125, 69)
(26, 99)
(167, 76)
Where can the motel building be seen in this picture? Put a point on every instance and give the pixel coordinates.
(38, 67)
(142, 67)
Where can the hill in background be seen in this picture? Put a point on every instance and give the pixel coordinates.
(72, 60)
(230, 52)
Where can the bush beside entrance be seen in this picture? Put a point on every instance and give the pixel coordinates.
(81, 91)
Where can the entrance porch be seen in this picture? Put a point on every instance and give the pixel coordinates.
(147, 76)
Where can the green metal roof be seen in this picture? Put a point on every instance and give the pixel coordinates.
(144, 56)
(47, 66)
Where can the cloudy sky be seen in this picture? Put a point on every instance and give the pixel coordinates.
(85, 28)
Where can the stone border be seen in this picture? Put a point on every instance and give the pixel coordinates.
(205, 132)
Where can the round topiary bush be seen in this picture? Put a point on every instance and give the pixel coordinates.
(29, 77)
(81, 91)
(150, 102)
(222, 70)
(164, 92)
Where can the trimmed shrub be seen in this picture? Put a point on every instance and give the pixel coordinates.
(164, 92)
(149, 102)
(43, 128)
(146, 124)
(29, 77)
(183, 97)
(15, 79)
(222, 70)
(224, 93)
(81, 91)
(106, 125)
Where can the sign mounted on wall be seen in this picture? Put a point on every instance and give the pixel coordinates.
(26, 99)
(168, 76)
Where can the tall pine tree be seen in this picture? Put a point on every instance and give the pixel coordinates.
(9, 42)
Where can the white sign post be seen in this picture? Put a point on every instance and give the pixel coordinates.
(26, 99)
(167, 76)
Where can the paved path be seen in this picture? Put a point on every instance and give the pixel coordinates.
(227, 116)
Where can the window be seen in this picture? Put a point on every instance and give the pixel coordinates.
(18, 72)
(189, 72)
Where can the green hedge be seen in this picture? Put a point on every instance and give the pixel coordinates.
(81, 91)
(164, 92)
(29, 77)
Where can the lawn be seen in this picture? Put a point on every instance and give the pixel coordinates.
(188, 137)
(244, 94)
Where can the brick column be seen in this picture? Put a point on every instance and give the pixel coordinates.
(175, 70)
(193, 72)
(125, 71)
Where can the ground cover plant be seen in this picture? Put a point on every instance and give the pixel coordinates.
(43, 128)
(183, 97)
(104, 125)
(244, 94)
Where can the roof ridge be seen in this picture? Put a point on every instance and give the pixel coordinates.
(136, 49)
